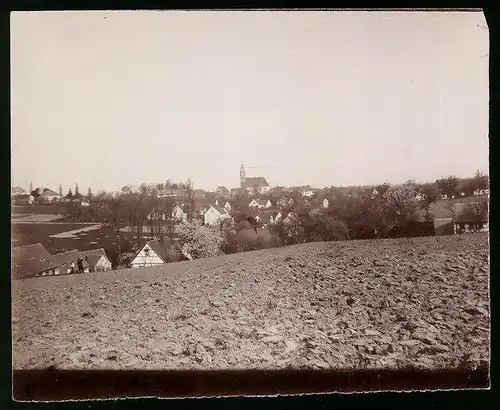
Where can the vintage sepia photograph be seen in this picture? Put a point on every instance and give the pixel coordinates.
(210, 194)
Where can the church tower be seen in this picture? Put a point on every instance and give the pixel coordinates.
(242, 176)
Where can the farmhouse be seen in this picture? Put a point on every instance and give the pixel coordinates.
(260, 204)
(32, 260)
(307, 193)
(285, 202)
(179, 213)
(469, 225)
(48, 195)
(67, 262)
(97, 259)
(17, 191)
(153, 253)
(214, 215)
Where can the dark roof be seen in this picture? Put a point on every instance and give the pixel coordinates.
(255, 181)
(49, 192)
(31, 260)
(94, 255)
(220, 209)
(439, 209)
(65, 259)
(159, 249)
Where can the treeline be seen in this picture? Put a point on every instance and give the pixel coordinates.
(381, 211)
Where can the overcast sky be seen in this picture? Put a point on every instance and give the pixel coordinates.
(107, 99)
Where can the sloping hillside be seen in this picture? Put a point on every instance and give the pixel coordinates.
(363, 304)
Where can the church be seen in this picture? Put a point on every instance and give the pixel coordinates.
(257, 185)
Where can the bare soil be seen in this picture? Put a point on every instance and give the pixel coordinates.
(420, 302)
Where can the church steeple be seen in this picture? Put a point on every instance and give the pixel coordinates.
(242, 176)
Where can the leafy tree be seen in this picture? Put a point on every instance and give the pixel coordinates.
(278, 229)
(448, 186)
(475, 212)
(69, 194)
(319, 226)
(89, 194)
(469, 187)
(481, 181)
(143, 189)
(400, 206)
(60, 191)
(382, 188)
(190, 203)
(430, 194)
(199, 241)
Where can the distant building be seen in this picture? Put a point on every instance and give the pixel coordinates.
(307, 193)
(284, 202)
(214, 215)
(179, 213)
(260, 204)
(326, 203)
(97, 259)
(463, 225)
(256, 185)
(48, 195)
(152, 254)
(32, 260)
(18, 191)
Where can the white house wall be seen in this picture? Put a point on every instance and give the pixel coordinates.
(212, 217)
(141, 260)
(102, 264)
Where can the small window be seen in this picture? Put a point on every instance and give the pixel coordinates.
(146, 252)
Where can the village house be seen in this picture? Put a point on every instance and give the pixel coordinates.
(97, 259)
(32, 260)
(307, 192)
(290, 218)
(153, 253)
(326, 203)
(284, 202)
(48, 195)
(466, 225)
(214, 215)
(18, 191)
(67, 262)
(480, 192)
(260, 204)
(179, 214)
(224, 203)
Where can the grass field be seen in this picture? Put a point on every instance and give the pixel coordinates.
(30, 233)
(391, 304)
(103, 237)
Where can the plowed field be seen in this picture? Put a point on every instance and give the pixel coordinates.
(420, 302)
